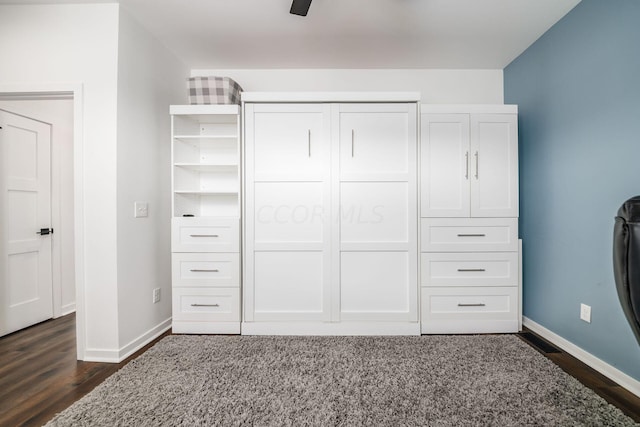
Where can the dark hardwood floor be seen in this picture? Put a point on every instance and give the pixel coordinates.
(40, 376)
(39, 373)
(628, 402)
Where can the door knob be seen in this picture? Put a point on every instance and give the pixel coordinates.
(45, 231)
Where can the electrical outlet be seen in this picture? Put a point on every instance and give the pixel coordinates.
(585, 313)
(141, 209)
(156, 295)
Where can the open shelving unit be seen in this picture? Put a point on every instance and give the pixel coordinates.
(206, 160)
(205, 188)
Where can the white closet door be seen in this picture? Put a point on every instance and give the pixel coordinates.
(375, 192)
(287, 210)
(494, 148)
(445, 160)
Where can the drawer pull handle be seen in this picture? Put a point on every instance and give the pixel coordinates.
(472, 235)
(198, 270)
(205, 305)
(204, 235)
(479, 304)
(471, 269)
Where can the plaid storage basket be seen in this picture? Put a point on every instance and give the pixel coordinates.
(213, 90)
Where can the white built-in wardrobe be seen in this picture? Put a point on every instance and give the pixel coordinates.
(330, 214)
(362, 213)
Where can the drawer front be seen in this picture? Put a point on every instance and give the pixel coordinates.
(469, 269)
(469, 234)
(206, 269)
(206, 305)
(205, 235)
(469, 310)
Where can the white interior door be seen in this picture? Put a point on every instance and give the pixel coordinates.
(25, 219)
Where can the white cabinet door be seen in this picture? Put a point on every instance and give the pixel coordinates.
(445, 164)
(378, 212)
(287, 266)
(494, 150)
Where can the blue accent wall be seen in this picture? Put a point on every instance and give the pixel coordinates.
(578, 92)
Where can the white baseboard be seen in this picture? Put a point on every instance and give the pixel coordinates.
(68, 309)
(585, 357)
(117, 356)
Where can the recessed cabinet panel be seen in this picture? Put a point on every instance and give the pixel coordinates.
(289, 212)
(374, 212)
(495, 157)
(376, 284)
(445, 165)
(374, 142)
(289, 142)
(289, 285)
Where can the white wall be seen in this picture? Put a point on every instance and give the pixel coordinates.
(435, 86)
(58, 113)
(150, 78)
(78, 43)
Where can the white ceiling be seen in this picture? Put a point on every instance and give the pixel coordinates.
(482, 34)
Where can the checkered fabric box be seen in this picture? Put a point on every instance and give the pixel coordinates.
(213, 90)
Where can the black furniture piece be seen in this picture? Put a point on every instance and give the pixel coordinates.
(626, 261)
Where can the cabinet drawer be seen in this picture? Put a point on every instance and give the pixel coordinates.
(206, 305)
(205, 235)
(206, 269)
(469, 310)
(469, 269)
(469, 234)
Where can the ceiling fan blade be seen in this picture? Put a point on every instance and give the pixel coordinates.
(300, 7)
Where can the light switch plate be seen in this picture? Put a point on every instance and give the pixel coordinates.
(585, 313)
(141, 209)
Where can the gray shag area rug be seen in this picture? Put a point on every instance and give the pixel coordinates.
(477, 380)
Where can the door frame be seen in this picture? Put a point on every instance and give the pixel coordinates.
(74, 90)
